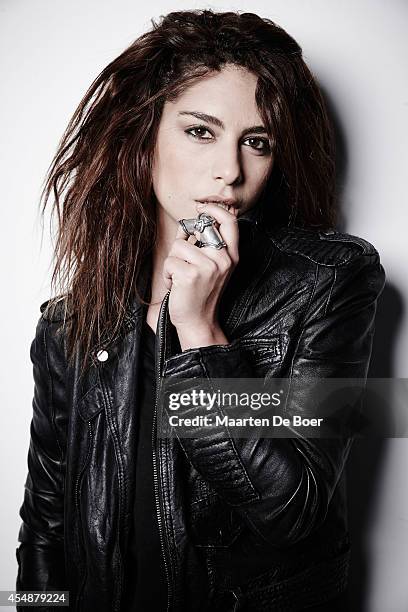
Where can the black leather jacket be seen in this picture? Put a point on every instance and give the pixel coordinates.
(245, 524)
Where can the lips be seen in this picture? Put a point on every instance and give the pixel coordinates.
(218, 200)
(226, 203)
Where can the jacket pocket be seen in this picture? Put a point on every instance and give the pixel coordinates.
(91, 404)
(214, 524)
(262, 353)
(319, 581)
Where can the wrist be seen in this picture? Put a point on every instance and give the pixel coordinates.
(196, 336)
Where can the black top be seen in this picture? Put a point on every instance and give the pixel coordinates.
(146, 587)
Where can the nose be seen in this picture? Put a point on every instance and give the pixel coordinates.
(227, 165)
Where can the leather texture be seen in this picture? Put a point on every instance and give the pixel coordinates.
(246, 524)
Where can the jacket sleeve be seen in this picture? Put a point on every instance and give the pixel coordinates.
(282, 486)
(40, 554)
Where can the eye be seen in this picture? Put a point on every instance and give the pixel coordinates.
(195, 129)
(266, 147)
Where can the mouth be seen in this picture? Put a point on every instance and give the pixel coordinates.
(229, 205)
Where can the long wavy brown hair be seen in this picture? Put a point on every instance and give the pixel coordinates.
(101, 175)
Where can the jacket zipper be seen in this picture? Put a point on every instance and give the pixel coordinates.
(161, 326)
(121, 504)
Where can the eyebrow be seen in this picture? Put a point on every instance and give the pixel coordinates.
(254, 129)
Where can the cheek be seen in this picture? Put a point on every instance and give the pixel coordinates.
(173, 163)
(258, 178)
(172, 178)
(176, 169)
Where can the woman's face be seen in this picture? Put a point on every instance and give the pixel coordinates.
(211, 142)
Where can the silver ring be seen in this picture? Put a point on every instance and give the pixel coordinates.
(205, 225)
(215, 245)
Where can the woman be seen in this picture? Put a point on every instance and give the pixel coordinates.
(214, 113)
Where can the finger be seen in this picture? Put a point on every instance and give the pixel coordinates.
(202, 258)
(181, 236)
(181, 233)
(227, 226)
(168, 280)
(176, 270)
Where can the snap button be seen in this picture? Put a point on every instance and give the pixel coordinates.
(102, 355)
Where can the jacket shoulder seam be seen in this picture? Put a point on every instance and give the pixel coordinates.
(327, 248)
(56, 309)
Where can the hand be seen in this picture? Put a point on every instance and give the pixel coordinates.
(196, 279)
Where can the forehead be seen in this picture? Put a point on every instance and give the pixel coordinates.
(228, 93)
